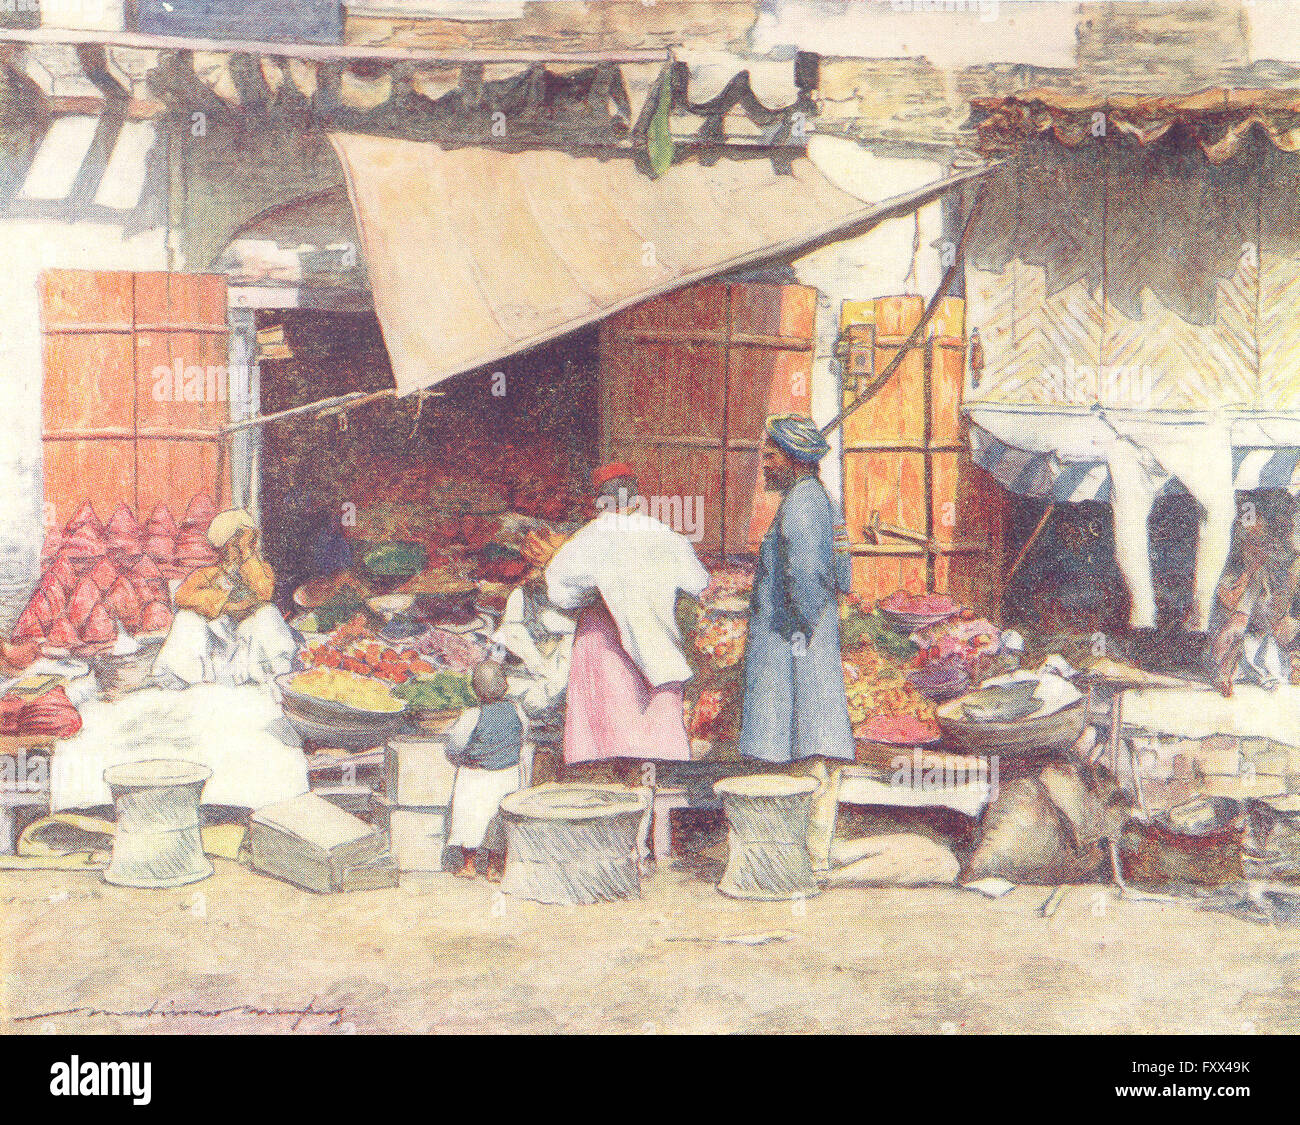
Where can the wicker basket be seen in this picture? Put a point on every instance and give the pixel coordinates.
(432, 724)
(1034, 734)
(118, 675)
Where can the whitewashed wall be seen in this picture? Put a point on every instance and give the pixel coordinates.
(875, 264)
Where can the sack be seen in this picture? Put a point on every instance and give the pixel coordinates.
(901, 859)
(1050, 829)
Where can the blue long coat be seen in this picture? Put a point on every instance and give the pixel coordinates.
(795, 705)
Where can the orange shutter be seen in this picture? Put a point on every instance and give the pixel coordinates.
(115, 428)
(906, 459)
(685, 383)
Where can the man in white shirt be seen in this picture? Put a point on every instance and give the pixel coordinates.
(621, 573)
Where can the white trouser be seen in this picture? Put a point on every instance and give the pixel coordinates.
(197, 650)
(1200, 457)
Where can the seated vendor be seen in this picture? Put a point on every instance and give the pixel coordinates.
(1254, 623)
(226, 629)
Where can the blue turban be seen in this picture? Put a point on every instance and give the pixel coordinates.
(798, 435)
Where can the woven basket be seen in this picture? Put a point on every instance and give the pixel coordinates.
(118, 675)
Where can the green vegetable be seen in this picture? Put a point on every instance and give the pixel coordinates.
(396, 558)
(340, 608)
(443, 691)
(876, 631)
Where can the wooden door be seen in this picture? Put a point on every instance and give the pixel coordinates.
(685, 383)
(906, 460)
(135, 390)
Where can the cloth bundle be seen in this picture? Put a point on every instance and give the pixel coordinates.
(50, 713)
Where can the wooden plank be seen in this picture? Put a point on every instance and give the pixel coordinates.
(701, 336)
(87, 383)
(173, 473)
(71, 297)
(181, 381)
(102, 471)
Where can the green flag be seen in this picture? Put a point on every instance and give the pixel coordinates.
(659, 139)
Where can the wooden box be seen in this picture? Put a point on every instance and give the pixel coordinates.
(419, 774)
(419, 837)
(312, 843)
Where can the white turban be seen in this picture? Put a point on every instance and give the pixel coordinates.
(226, 525)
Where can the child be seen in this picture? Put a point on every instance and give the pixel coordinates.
(484, 746)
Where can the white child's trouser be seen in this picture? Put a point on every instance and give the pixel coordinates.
(476, 797)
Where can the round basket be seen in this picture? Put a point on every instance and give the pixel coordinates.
(340, 735)
(328, 711)
(1034, 734)
(573, 843)
(432, 723)
(118, 675)
(911, 622)
(767, 837)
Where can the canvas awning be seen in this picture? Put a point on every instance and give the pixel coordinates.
(475, 254)
(1218, 120)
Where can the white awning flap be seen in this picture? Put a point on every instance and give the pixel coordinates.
(475, 254)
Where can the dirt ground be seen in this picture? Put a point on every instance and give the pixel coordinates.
(241, 952)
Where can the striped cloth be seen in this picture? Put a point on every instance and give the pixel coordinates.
(1046, 475)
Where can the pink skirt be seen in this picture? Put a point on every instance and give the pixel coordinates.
(612, 711)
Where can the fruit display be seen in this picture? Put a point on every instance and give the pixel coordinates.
(721, 640)
(99, 578)
(908, 612)
(876, 686)
(715, 713)
(962, 642)
(335, 686)
(453, 651)
(353, 648)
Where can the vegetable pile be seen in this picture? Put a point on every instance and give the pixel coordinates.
(352, 647)
(358, 692)
(443, 691)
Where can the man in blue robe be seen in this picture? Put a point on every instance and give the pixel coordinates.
(795, 710)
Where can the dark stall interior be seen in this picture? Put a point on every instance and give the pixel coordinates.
(520, 438)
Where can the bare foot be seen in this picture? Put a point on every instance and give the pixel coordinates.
(466, 872)
(493, 875)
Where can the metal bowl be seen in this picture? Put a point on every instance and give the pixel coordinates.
(344, 736)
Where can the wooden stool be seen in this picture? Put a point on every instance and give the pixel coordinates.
(573, 843)
(157, 842)
(767, 836)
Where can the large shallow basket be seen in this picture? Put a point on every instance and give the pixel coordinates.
(328, 711)
(338, 734)
(1034, 734)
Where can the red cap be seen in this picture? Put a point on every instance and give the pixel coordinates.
(611, 472)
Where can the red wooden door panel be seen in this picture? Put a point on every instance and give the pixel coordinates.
(686, 382)
(135, 389)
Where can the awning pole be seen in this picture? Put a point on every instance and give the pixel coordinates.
(324, 406)
(865, 395)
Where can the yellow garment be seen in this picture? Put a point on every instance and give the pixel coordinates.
(65, 841)
(203, 593)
